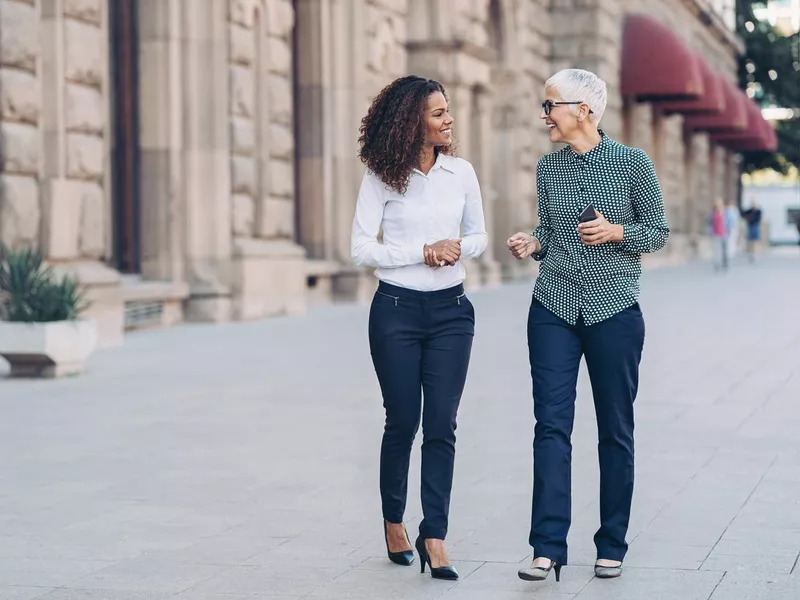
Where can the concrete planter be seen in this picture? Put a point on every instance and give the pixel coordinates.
(47, 349)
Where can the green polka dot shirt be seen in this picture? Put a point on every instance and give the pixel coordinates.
(595, 282)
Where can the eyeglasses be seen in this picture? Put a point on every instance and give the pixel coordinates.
(548, 105)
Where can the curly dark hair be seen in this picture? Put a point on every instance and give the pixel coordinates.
(393, 131)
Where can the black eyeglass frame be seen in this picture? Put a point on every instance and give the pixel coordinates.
(548, 105)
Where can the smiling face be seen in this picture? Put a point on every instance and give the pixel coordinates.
(438, 122)
(562, 123)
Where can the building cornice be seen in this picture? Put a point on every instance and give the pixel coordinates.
(703, 11)
(453, 46)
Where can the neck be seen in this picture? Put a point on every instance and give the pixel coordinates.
(585, 140)
(427, 158)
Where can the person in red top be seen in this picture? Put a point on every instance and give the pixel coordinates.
(719, 234)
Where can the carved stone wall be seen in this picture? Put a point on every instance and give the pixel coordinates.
(262, 137)
(54, 141)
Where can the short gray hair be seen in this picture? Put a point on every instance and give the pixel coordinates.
(583, 86)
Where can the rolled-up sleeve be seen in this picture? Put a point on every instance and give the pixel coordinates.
(473, 223)
(650, 230)
(365, 249)
(544, 232)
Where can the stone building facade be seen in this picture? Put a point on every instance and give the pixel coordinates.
(196, 159)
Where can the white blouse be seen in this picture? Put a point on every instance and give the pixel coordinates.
(444, 204)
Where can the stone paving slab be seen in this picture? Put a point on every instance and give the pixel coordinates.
(223, 462)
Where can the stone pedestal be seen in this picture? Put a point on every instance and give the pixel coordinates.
(269, 278)
(355, 284)
(104, 293)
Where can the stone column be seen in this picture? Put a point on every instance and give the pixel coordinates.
(206, 160)
(483, 154)
(688, 223)
(703, 191)
(74, 168)
(20, 114)
(350, 99)
(161, 64)
(269, 269)
(314, 174)
(505, 166)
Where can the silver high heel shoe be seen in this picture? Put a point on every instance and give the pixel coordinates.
(607, 572)
(540, 573)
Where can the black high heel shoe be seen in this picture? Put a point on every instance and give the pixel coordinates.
(446, 572)
(403, 558)
(540, 573)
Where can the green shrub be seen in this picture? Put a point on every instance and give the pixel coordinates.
(31, 293)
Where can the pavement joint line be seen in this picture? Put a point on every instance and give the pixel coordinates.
(750, 495)
(719, 583)
(678, 492)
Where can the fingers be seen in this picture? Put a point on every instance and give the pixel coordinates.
(518, 246)
(594, 240)
(433, 258)
(590, 226)
(449, 255)
(443, 253)
(429, 256)
(522, 252)
(442, 257)
(517, 239)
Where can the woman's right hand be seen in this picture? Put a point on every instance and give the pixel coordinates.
(522, 245)
(443, 252)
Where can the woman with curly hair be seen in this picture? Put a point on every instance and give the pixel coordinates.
(421, 324)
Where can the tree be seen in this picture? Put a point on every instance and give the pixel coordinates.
(771, 65)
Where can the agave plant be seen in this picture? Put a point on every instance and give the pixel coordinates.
(30, 292)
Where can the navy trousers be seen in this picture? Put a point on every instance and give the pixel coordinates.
(420, 344)
(613, 350)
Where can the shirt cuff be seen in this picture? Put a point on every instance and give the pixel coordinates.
(415, 254)
(627, 233)
(541, 253)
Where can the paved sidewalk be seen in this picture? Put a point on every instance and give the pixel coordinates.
(240, 461)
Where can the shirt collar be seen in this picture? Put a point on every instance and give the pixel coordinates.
(595, 153)
(443, 161)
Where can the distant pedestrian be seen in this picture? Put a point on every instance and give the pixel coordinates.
(797, 225)
(428, 205)
(732, 218)
(719, 236)
(752, 217)
(600, 209)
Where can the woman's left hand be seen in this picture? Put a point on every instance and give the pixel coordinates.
(600, 231)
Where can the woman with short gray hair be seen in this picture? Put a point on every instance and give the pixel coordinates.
(600, 208)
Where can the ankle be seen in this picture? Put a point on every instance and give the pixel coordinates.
(434, 545)
(437, 551)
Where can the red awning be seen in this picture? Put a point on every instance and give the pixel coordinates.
(711, 101)
(759, 135)
(656, 64)
(733, 118)
(753, 134)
